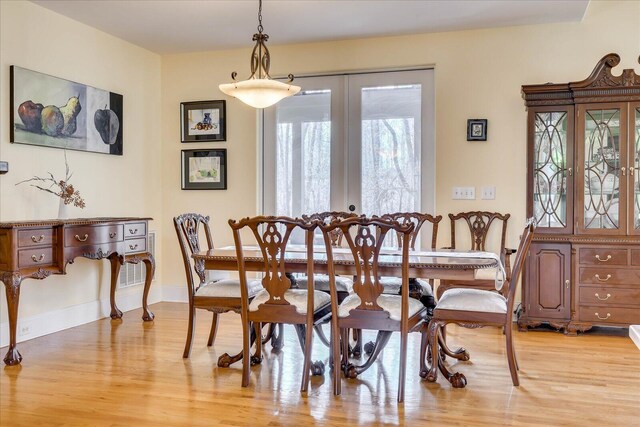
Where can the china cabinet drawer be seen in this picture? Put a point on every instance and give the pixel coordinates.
(135, 230)
(603, 256)
(635, 257)
(36, 237)
(132, 246)
(609, 276)
(609, 295)
(605, 314)
(36, 257)
(87, 235)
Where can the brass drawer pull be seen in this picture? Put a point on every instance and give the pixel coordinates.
(603, 318)
(35, 239)
(36, 259)
(603, 260)
(601, 279)
(133, 231)
(132, 247)
(82, 239)
(112, 235)
(603, 299)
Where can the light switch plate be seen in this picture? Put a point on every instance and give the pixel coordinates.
(488, 193)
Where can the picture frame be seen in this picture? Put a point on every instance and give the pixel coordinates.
(203, 121)
(477, 129)
(204, 169)
(50, 111)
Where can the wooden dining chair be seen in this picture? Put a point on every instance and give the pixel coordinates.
(368, 307)
(473, 308)
(418, 288)
(278, 302)
(218, 296)
(479, 224)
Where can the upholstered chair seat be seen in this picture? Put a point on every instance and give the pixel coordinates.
(295, 297)
(392, 304)
(321, 283)
(466, 299)
(228, 288)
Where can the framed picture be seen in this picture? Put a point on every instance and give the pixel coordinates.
(477, 130)
(53, 112)
(204, 169)
(203, 121)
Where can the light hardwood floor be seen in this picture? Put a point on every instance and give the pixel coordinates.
(128, 372)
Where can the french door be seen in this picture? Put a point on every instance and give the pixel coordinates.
(360, 142)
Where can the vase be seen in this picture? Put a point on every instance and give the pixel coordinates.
(63, 210)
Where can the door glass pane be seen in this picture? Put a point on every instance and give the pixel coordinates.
(303, 153)
(602, 169)
(636, 166)
(550, 169)
(390, 149)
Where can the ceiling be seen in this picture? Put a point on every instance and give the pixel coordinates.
(173, 26)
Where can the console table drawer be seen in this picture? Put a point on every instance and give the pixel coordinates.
(603, 256)
(609, 295)
(609, 276)
(36, 237)
(135, 230)
(36, 257)
(604, 314)
(132, 246)
(87, 235)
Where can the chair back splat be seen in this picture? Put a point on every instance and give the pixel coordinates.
(188, 228)
(418, 219)
(328, 217)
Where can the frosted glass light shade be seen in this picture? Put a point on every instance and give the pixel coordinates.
(259, 93)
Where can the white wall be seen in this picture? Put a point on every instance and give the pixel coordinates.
(38, 39)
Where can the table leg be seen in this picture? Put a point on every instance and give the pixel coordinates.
(456, 379)
(12, 288)
(150, 265)
(116, 262)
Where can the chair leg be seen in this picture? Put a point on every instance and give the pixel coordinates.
(246, 351)
(214, 330)
(307, 358)
(344, 340)
(335, 348)
(190, 331)
(256, 359)
(511, 357)
(403, 366)
(432, 375)
(424, 348)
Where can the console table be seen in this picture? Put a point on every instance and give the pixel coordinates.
(37, 249)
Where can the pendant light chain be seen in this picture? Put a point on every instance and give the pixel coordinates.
(260, 28)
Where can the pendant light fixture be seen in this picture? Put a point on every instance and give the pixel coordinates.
(259, 90)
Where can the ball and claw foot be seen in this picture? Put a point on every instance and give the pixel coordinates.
(369, 347)
(423, 373)
(256, 360)
(116, 314)
(317, 368)
(431, 377)
(224, 361)
(458, 380)
(350, 371)
(465, 356)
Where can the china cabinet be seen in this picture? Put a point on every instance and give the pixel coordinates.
(583, 189)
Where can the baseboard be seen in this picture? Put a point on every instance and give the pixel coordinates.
(59, 320)
(634, 334)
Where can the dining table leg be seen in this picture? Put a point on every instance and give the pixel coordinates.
(456, 379)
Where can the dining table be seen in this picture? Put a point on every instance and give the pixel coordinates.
(433, 264)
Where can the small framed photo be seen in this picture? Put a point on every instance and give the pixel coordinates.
(204, 169)
(477, 130)
(203, 121)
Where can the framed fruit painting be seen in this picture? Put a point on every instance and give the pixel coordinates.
(53, 112)
(204, 169)
(203, 121)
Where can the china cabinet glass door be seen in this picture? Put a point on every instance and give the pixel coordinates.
(634, 178)
(602, 144)
(551, 201)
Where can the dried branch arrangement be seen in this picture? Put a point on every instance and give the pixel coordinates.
(61, 188)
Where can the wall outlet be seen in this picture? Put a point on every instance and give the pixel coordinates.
(488, 193)
(24, 329)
